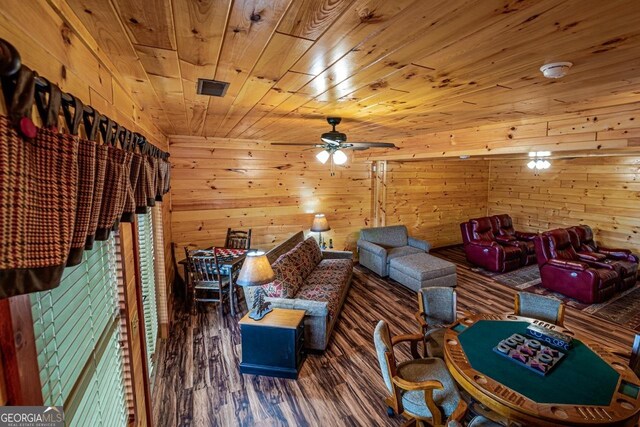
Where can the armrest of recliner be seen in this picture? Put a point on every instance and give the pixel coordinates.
(505, 240)
(591, 256)
(484, 243)
(419, 244)
(616, 253)
(372, 247)
(567, 264)
(600, 264)
(523, 235)
(508, 241)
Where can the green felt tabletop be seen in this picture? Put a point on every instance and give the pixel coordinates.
(581, 377)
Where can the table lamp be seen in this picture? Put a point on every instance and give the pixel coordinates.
(319, 225)
(256, 271)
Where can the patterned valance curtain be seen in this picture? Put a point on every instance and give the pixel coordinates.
(60, 192)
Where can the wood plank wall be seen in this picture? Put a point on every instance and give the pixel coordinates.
(433, 197)
(220, 183)
(603, 192)
(613, 128)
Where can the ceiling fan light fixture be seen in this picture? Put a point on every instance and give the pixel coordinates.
(323, 156)
(339, 158)
(333, 137)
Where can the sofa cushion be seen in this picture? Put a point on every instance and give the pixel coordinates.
(402, 251)
(312, 249)
(288, 276)
(335, 264)
(391, 236)
(304, 256)
(325, 284)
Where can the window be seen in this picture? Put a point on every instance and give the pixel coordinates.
(147, 275)
(77, 338)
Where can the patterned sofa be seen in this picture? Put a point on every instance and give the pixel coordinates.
(312, 280)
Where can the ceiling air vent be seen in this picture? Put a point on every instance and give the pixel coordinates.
(212, 87)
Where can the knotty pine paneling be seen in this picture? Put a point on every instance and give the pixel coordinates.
(608, 129)
(219, 183)
(603, 192)
(432, 197)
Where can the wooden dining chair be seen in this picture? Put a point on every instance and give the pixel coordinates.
(437, 309)
(539, 307)
(421, 390)
(238, 239)
(208, 284)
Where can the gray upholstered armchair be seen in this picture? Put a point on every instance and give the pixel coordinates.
(379, 245)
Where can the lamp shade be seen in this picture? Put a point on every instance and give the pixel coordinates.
(339, 158)
(323, 156)
(255, 270)
(320, 223)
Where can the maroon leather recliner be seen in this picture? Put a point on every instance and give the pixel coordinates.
(622, 260)
(506, 234)
(562, 270)
(482, 249)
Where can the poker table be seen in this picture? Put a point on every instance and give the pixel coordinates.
(589, 386)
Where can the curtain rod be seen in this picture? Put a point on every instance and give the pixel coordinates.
(10, 64)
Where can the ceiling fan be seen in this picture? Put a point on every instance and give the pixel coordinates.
(333, 142)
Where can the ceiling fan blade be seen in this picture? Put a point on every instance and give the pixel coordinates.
(373, 144)
(294, 143)
(357, 148)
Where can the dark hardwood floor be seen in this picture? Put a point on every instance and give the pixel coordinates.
(198, 382)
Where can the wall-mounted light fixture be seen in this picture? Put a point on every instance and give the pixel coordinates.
(538, 161)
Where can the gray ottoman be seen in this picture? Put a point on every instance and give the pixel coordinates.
(422, 270)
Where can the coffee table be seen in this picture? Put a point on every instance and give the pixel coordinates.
(590, 386)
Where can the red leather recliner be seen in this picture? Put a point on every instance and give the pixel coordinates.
(622, 260)
(482, 249)
(562, 270)
(506, 234)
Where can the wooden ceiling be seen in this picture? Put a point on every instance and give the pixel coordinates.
(391, 69)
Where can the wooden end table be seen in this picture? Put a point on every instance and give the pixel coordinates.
(274, 345)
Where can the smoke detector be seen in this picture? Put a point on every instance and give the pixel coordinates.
(555, 70)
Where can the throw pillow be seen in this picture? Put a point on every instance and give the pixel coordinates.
(273, 289)
(313, 249)
(304, 257)
(288, 273)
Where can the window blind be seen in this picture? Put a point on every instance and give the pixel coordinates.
(147, 274)
(77, 339)
(161, 281)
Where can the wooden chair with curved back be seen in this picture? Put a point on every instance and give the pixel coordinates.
(539, 307)
(437, 310)
(421, 390)
(207, 283)
(238, 239)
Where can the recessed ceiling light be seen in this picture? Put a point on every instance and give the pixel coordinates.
(555, 70)
(464, 156)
